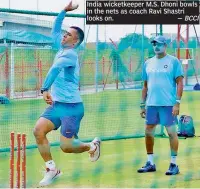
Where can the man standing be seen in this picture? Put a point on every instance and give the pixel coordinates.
(161, 97)
(66, 107)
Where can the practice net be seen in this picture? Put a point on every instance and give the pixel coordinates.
(110, 85)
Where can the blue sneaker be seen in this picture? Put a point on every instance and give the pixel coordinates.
(147, 168)
(173, 169)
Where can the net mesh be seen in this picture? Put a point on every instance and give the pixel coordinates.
(111, 113)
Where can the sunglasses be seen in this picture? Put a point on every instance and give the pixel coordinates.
(157, 44)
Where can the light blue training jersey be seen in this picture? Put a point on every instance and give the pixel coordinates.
(161, 75)
(63, 76)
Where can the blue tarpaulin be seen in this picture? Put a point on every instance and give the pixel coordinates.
(24, 37)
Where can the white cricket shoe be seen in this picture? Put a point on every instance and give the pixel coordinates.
(50, 176)
(94, 152)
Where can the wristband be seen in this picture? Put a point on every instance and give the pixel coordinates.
(178, 101)
(142, 105)
(43, 90)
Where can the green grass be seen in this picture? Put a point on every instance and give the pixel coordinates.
(117, 167)
(109, 113)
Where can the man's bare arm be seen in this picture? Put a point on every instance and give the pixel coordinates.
(144, 96)
(179, 81)
(176, 107)
(144, 92)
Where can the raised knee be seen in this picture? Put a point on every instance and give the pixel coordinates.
(38, 133)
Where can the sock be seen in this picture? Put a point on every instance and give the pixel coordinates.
(173, 159)
(92, 147)
(50, 164)
(150, 158)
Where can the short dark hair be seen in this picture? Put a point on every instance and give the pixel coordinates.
(80, 34)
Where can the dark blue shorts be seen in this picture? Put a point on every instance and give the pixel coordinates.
(160, 115)
(66, 115)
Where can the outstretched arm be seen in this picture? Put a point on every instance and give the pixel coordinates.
(56, 30)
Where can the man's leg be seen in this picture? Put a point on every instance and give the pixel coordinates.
(173, 139)
(170, 122)
(151, 121)
(68, 142)
(44, 126)
(149, 141)
(72, 145)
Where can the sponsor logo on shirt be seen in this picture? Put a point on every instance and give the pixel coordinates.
(165, 66)
(157, 70)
